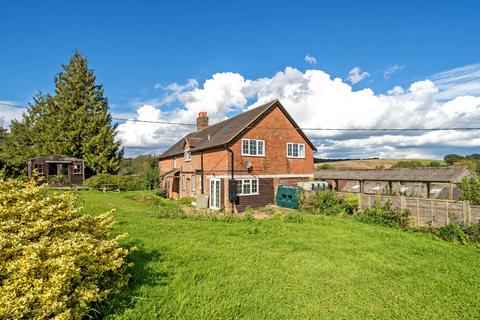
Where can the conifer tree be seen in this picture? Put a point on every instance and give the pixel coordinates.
(75, 121)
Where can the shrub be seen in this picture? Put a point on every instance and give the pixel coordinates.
(248, 214)
(350, 204)
(186, 201)
(122, 183)
(159, 192)
(54, 262)
(151, 178)
(60, 180)
(293, 217)
(470, 190)
(386, 214)
(408, 164)
(326, 202)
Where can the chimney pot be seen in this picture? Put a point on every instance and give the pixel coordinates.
(202, 120)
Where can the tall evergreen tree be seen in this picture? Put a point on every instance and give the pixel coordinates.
(75, 121)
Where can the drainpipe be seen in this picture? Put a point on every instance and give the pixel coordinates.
(232, 157)
(202, 175)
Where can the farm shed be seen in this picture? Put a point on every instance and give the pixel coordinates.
(58, 170)
(439, 183)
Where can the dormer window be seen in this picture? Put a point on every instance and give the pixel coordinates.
(187, 155)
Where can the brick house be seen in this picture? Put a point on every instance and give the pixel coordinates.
(239, 162)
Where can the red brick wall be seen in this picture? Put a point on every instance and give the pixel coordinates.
(275, 160)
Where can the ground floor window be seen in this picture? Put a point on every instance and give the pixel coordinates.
(38, 167)
(247, 187)
(77, 169)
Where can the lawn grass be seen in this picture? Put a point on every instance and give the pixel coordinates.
(323, 268)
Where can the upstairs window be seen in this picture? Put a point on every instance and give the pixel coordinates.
(252, 147)
(295, 150)
(187, 155)
(247, 187)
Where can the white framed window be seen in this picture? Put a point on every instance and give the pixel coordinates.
(187, 155)
(194, 184)
(253, 147)
(38, 167)
(184, 182)
(247, 187)
(295, 150)
(77, 169)
(174, 162)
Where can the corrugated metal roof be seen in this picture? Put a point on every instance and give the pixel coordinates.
(447, 174)
(223, 132)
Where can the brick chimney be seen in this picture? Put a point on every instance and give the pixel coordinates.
(202, 120)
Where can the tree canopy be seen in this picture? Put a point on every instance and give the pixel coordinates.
(74, 121)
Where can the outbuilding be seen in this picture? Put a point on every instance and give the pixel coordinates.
(58, 170)
(439, 183)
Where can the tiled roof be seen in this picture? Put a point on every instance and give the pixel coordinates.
(221, 133)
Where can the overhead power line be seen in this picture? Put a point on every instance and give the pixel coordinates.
(272, 128)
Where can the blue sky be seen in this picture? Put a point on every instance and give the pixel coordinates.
(136, 48)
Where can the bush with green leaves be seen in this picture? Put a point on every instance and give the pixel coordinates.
(122, 183)
(386, 214)
(59, 180)
(470, 190)
(151, 178)
(328, 203)
(54, 262)
(186, 201)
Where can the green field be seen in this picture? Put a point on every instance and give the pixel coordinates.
(323, 268)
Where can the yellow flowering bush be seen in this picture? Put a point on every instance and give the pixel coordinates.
(54, 262)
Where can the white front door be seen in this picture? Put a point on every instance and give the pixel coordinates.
(215, 193)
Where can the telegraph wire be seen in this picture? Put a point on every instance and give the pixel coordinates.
(303, 129)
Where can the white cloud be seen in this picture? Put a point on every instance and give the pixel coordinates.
(310, 59)
(390, 70)
(316, 100)
(458, 82)
(7, 114)
(356, 75)
(396, 91)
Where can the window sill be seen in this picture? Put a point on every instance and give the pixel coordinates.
(295, 157)
(250, 194)
(251, 155)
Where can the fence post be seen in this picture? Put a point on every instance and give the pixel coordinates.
(403, 202)
(431, 211)
(465, 212)
(418, 212)
(359, 196)
(446, 213)
(369, 204)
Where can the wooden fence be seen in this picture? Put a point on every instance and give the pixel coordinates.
(425, 211)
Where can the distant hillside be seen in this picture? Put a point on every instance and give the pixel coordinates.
(366, 164)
